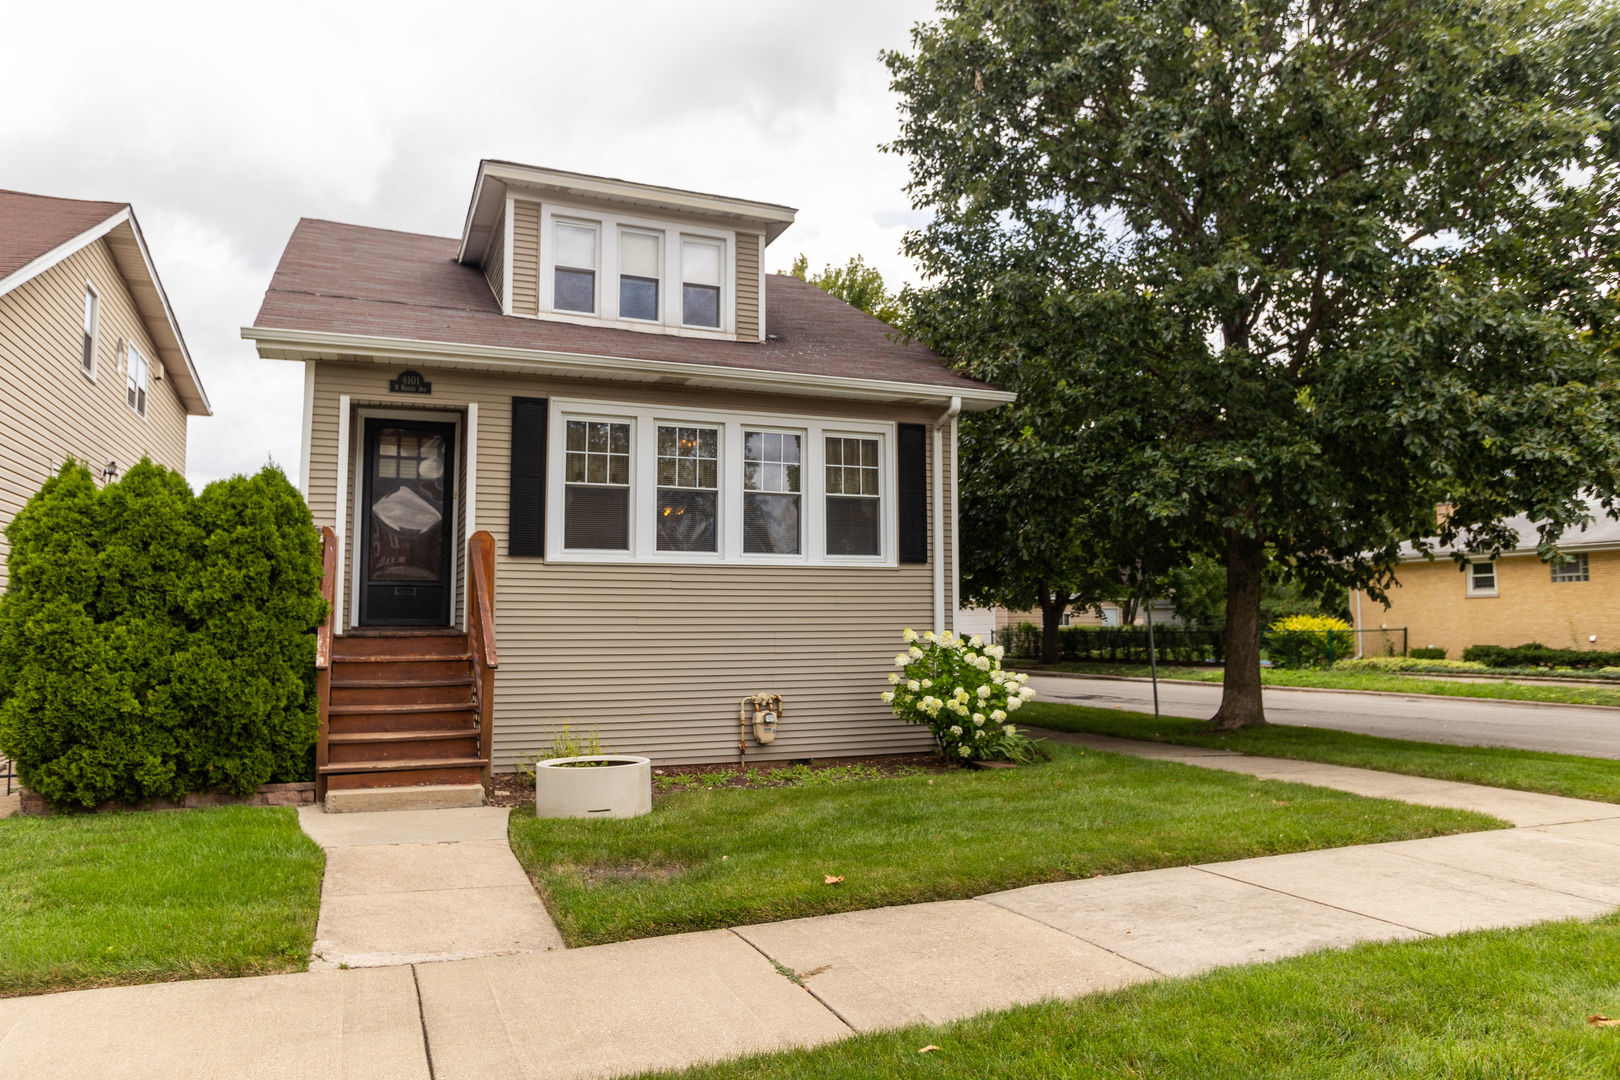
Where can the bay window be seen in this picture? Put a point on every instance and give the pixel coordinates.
(771, 478)
(638, 275)
(688, 488)
(574, 279)
(596, 473)
(700, 282)
(854, 525)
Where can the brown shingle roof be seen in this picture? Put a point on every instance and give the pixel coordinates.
(31, 225)
(346, 279)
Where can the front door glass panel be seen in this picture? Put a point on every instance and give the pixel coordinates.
(406, 565)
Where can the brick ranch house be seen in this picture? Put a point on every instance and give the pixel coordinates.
(700, 481)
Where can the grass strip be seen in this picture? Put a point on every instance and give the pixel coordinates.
(1522, 770)
(1504, 1004)
(705, 859)
(1368, 680)
(108, 899)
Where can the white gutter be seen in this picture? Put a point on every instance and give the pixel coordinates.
(276, 343)
(948, 417)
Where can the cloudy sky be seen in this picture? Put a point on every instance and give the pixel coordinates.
(225, 123)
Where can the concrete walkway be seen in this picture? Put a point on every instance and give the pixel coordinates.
(671, 1001)
(422, 886)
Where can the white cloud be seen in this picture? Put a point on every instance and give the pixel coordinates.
(224, 123)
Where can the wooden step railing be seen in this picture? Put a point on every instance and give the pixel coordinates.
(481, 639)
(323, 655)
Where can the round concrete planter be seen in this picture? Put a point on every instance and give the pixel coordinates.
(619, 787)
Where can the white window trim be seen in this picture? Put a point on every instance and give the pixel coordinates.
(95, 335)
(644, 487)
(619, 232)
(726, 260)
(607, 271)
(1496, 571)
(132, 353)
(548, 230)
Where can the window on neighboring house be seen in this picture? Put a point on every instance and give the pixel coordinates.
(88, 356)
(574, 284)
(688, 488)
(1571, 568)
(853, 518)
(596, 504)
(638, 275)
(771, 487)
(1482, 578)
(700, 282)
(135, 379)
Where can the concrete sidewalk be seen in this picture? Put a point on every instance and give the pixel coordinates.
(671, 1001)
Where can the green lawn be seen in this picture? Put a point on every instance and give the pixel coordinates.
(718, 858)
(1523, 770)
(103, 899)
(1494, 1005)
(1369, 680)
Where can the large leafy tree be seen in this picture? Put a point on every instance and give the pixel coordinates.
(1302, 269)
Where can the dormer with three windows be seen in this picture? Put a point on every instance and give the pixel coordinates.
(601, 252)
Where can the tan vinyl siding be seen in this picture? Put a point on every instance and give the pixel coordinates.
(49, 410)
(495, 261)
(525, 258)
(658, 656)
(747, 287)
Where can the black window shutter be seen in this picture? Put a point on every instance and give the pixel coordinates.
(913, 469)
(527, 523)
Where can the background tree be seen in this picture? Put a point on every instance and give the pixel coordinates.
(1306, 269)
(856, 284)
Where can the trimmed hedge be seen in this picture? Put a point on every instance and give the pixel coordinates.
(1536, 655)
(1125, 644)
(1430, 653)
(154, 643)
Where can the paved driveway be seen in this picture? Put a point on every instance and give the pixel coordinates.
(1464, 721)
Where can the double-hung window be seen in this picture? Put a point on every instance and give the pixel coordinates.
(700, 282)
(1482, 578)
(574, 279)
(854, 517)
(688, 488)
(596, 475)
(88, 357)
(771, 489)
(135, 379)
(639, 260)
(1568, 568)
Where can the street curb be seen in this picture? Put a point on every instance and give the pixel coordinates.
(1329, 690)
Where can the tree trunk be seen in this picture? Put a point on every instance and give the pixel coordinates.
(1241, 705)
(1052, 607)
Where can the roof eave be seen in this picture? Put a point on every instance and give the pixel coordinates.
(283, 344)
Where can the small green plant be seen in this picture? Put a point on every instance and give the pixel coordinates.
(565, 742)
(1428, 654)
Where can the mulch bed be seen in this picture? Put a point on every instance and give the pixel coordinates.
(515, 789)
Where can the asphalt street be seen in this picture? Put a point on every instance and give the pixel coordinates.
(1563, 729)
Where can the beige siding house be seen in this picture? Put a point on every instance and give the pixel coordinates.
(92, 364)
(702, 482)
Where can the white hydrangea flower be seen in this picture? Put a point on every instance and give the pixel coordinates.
(930, 637)
(914, 652)
(998, 716)
(894, 677)
(965, 751)
(927, 683)
(1009, 729)
(1022, 678)
(976, 641)
(909, 634)
(947, 638)
(1013, 703)
(1026, 692)
(959, 694)
(998, 677)
(970, 656)
(902, 660)
(887, 696)
(956, 730)
(982, 663)
(997, 651)
(978, 719)
(983, 692)
(914, 686)
(979, 734)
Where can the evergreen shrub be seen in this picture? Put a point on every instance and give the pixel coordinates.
(1428, 653)
(155, 643)
(1537, 655)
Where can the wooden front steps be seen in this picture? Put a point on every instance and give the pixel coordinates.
(407, 708)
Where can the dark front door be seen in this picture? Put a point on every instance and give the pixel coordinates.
(406, 538)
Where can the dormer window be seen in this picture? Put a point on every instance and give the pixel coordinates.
(575, 283)
(700, 282)
(639, 261)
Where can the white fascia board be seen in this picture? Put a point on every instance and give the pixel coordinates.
(168, 314)
(33, 269)
(278, 344)
(1563, 549)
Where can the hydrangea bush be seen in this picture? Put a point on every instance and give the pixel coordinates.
(957, 688)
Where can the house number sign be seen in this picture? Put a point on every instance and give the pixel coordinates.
(410, 382)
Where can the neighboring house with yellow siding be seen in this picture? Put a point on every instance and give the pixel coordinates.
(1572, 602)
(92, 362)
(702, 481)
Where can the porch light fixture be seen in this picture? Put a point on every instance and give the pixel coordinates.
(110, 472)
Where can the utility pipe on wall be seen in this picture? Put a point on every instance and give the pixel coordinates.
(947, 418)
